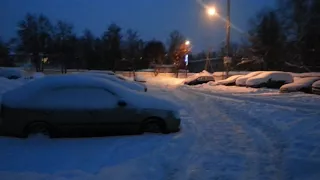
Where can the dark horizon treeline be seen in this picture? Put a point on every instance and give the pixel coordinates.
(286, 37)
(39, 38)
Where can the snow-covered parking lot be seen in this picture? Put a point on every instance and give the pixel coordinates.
(227, 133)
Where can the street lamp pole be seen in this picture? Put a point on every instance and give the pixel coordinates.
(186, 58)
(228, 24)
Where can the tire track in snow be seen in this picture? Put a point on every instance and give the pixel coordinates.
(303, 107)
(220, 150)
(269, 145)
(173, 156)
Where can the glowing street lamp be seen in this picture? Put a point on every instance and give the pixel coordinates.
(211, 11)
(187, 43)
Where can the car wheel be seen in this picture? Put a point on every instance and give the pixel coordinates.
(153, 126)
(38, 128)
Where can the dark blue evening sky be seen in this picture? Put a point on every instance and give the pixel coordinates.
(151, 18)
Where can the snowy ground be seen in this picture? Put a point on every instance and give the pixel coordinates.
(228, 133)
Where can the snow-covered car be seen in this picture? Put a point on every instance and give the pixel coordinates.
(270, 79)
(199, 78)
(12, 73)
(316, 87)
(230, 81)
(35, 75)
(120, 80)
(8, 84)
(241, 81)
(61, 104)
(139, 78)
(300, 84)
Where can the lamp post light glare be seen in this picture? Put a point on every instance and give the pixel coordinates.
(211, 11)
(187, 43)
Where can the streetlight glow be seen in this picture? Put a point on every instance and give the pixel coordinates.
(211, 11)
(187, 43)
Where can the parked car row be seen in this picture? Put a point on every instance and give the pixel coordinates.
(283, 81)
(268, 79)
(90, 103)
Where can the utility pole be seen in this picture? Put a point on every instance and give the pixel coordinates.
(228, 28)
(208, 62)
(228, 25)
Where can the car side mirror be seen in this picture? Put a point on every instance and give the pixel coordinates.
(122, 103)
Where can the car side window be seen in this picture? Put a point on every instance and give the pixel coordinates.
(76, 98)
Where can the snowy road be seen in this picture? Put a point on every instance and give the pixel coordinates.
(224, 137)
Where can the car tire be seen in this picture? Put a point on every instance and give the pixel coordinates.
(38, 128)
(153, 125)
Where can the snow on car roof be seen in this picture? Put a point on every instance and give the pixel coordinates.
(300, 83)
(195, 76)
(59, 81)
(8, 72)
(13, 98)
(101, 72)
(229, 80)
(242, 80)
(316, 84)
(273, 75)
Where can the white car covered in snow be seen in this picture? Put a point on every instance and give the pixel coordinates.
(270, 79)
(62, 104)
(230, 81)
(123, 81)
(241, 81)
(12, 73)
(316, 87)
(300, 84)
(8, 84)
(199, 78)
